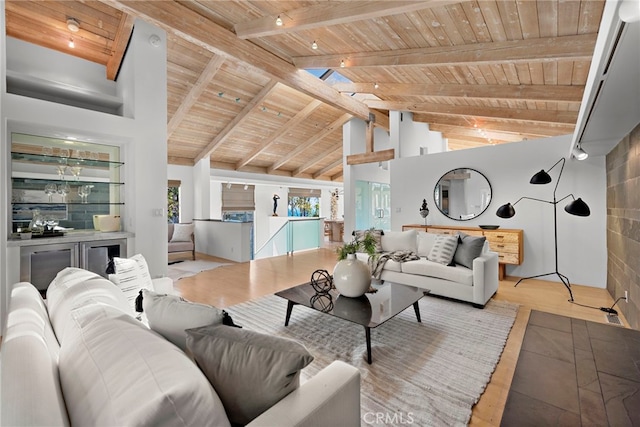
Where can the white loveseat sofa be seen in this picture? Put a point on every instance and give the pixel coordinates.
(475, 285)
(139, 379)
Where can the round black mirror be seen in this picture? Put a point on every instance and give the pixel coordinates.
(462, 194)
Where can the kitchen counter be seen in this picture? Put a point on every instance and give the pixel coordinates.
(71, 237)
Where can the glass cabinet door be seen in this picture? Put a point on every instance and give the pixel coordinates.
(373, 205)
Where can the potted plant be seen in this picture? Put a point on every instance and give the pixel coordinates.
(352, 277)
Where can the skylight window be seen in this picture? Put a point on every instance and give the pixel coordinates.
(333, 77)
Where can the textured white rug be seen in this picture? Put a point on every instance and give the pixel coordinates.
(183, 269)
(429, 373)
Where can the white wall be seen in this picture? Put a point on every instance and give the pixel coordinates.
(582, 240)
(142, 82)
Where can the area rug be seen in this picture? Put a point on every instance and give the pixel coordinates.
(183, 269)
(426, 374)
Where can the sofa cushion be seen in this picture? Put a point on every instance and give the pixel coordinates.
(131, 276)
(250, 371)
(376, 234)
(116, 372)
(469, 248)
(170, 316)
(399, 241)
(73, 288)
(425, 243)
(30, 386)
(170, 227)
(424, 267)
(180, 246)
(182, 233)
(443, 249)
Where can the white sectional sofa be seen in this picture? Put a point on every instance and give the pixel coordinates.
(475, 285)
(80, 357)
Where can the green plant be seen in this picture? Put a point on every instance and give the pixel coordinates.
(367, 244)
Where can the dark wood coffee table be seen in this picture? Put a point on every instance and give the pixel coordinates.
(370, 310)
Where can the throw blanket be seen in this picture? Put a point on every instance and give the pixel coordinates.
(377, 263)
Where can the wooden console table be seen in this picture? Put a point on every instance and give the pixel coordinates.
(506, 242)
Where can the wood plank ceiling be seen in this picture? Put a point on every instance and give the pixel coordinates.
(481, 72)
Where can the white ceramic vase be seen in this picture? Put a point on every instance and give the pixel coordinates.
(351, 277)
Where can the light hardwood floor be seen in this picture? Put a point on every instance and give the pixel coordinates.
(239, 282)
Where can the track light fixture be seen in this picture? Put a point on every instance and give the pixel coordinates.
(314, 45)
(579, 153)
(71, 43)
(342, 63)
(376, 85)
(73, 25)
(279, 21)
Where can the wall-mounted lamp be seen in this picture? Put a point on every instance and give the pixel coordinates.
(579, 153)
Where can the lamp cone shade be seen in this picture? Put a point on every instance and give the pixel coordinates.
(578, 207)
(506, 211)
(540, 178)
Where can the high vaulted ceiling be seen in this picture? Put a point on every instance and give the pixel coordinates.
(481, 72)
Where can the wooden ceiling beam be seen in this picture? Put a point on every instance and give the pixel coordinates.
(252, 106)
(195, 28)
(371, 157)
(293, 122)
(328, 168)
(311, 141)
(314, 161)
(329, 13)
(549, 116)
(516, 126)
(536, 50)
(466, 133)
(120, 43)
(210, 70)
(520, 92)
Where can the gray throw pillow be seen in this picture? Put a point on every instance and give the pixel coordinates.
(469, 248)
(249, 371)
(170, 315)
(443, 249)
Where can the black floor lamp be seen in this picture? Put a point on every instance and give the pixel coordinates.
(576, 207)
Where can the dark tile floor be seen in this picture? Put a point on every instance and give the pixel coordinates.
(573, 372)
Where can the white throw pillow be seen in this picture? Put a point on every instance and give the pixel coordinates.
(425, 243)
(170, 315)
(131, 276)
(443, 249)
(182, 233)
(116, 372)
(399, 241)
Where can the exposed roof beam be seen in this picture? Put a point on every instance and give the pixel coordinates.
(571, 48)
(192, 97)
(472, 134)
(329, 13)
(120, 43)
(193, 27)
(327, 168)
(461, 144)
(294, 121)
(519, 92)
(567, 117)
(516, 126)
(316, 160)
(371, 157)
(311, 141)
(253, 105)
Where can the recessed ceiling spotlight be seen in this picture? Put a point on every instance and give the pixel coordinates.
(342, 63)
(73, 25)
(279, 21)
(314, 45)
(71, 43)
(375, 85)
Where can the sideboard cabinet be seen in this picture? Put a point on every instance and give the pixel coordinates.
(506, 242)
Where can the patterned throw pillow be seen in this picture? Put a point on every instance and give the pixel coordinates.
(443, 249)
